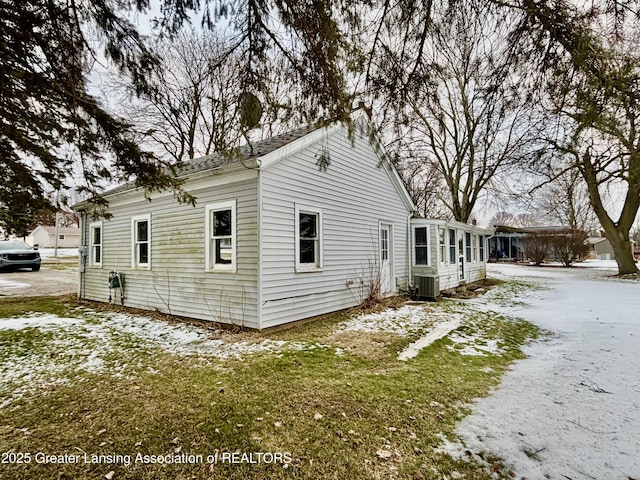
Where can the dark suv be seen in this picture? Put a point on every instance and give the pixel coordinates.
(15, 254)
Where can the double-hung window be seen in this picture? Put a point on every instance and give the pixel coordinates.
(481, 247)
(467, 244)
(308, 231)
(141, 241)
(221, 236)
(442, 232)
(421, 245)
(95, 234)
(452, 246)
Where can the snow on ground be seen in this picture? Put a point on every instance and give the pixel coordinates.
(572, 409)
(404, 321)
(47, 350)
(48, 253)
(12, 284)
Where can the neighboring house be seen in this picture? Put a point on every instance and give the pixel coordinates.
(600, 247)
(45, 237)
(455, 253)
(291, 227)
(508, 243)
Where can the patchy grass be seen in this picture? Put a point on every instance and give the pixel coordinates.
(345, 409)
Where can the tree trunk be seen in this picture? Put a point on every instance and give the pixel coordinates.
(622, 249)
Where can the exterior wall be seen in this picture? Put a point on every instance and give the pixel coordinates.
(449, 273)
(177, 281)
(356, 195)
(44, 239)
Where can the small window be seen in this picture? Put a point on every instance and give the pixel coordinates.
(467, 244)
(221, 236)
(384, 243)
(141, 241)
(61, 236)
(308, 232)
(442, 233)
(452, 246)
(421, 245)
(95, 233)
(481, 247)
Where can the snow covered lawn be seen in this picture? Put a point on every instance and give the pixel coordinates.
(572, 409)
(44, 350)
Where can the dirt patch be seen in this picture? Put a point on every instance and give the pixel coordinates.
(364, 344)
(47, 282)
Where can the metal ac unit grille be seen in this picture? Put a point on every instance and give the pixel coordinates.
(428, 286)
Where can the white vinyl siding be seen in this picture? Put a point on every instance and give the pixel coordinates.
(95, 236)
(356, 195)
(178, 281)
(141, 241)
(452, 232)
(220, 232)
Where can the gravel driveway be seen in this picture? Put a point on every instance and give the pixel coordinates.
(52, 279)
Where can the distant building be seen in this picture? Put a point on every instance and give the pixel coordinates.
(45, 237)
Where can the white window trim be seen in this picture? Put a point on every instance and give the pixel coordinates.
(413, 250)
(134, 250)
(443, 248)
(209, 256)
(474, 248)
(92, 261)
(308, 267)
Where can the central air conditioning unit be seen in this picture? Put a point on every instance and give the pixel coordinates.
(428, 286)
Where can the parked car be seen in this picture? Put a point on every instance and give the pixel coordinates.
(15, 254)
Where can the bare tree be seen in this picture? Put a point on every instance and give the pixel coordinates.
(467, 117)
(566, 200)
(595, 106)
(192, 108)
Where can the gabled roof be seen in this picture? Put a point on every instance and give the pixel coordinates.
(231, 157)
(267, 151)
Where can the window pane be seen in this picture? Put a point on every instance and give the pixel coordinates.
(307, 251)
(96, 235)
(97, 254)
(142, 231)
(223, 250)
(421, 236)
(222, 223)
(308, 225)
(421, 255)
(143, 253)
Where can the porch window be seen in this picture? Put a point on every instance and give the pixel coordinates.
(467, 244)
(421, 245)
(481, 241)
(95, 234)
(443, 246)
(452, 246)
(141, 241)
(474, 247)
(220, 253)
(308, 230)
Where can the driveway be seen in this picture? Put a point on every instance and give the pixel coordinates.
(572, 409)
(52, 279)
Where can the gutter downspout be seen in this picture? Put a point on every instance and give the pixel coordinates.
(81, 267)
(409, 252)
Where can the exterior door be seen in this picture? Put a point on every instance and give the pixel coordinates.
(386, 249)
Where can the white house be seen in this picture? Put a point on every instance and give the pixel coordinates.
(45, 237)
(452, 253)
(291, 227)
